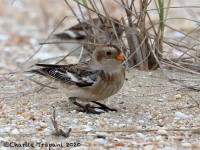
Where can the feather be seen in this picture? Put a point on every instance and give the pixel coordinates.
(72, 74)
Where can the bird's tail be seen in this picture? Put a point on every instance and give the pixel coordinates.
(34, 71)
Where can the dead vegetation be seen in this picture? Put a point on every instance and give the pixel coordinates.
(145, 41)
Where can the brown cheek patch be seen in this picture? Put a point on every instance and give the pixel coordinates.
(99, 56)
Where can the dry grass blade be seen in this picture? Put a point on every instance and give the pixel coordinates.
(132, 38)
(192, 129)
(39, 83)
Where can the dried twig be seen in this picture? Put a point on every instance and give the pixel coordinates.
(58, 132)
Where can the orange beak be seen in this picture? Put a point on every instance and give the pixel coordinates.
(120, 57)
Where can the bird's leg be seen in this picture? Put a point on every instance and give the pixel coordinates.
(103, 107)
(86, 108)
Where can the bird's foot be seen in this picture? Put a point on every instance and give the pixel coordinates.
(92, 109)
(103, 107)
(87, 108)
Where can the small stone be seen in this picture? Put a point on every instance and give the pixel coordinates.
(110, 145)
(197, 144)
(39, 128)
(129, 120)
(129, 136)
(160, 100)
(15, 131)
(89, 123)
(24, 102)
(92, 144)
(162, 132)
(181, 122)
(158, 138)
(181, 115)
(122, 125)
(27, 115)
(140, 135)
(100, 141)
(178, 96)
(75, 120)
(186, 145)
(149, 147)
(94, 117)
(87, 128)
(3, 139)
(138, 127)
(47, 131)
(101, 124)
(141, 121)
(118, 143)
(115, 124)
(134, 143)
(7, 129)
(73, 111)
(43, 125)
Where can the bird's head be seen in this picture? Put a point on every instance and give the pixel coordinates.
(108, 56)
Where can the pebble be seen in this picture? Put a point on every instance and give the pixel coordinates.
(7, 129)
(20, 60)
(186, 145)
(43, 125)
(198, 144)
(100, 141)
(3, 139)
(158, 138)
(115, 124)
(141, 121)
(129, 120)
(122, 125)
(89, 123)
(110, 145)
(162, 132)
(129, 136)
(15, 131)
(47, 131)
(149, 147)
(181, 115)
(140, 135)
(75, 120)
(178, 96)
(87, 128)
(118, 143)
(73, 111)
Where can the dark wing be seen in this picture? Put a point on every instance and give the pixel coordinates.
(78, 74)
(75, 32)
(79, 31)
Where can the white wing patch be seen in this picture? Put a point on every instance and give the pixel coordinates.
(72, 77)
(87, 79)
(70, 33)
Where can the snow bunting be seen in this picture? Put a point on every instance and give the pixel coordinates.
(97, 30)
(96, 80)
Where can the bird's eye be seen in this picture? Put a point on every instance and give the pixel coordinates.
(108, 53)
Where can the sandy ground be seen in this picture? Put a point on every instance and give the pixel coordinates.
(153, 113)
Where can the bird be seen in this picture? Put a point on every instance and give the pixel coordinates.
(89, 33)
(92, 81)
(97, 30)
